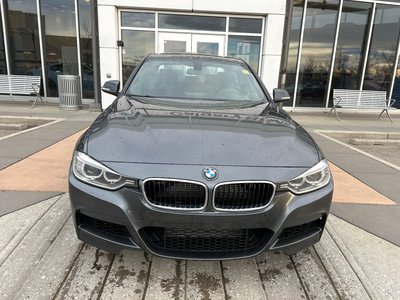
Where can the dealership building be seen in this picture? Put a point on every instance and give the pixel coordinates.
(308, 47)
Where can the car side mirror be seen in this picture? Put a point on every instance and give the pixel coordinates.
(111, 87)
(281, 95)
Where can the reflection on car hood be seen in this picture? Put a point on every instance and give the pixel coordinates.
(258, 135)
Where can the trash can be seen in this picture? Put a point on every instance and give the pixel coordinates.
(69, 92)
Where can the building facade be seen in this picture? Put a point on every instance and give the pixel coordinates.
(340, 44)
(308, 47)
(251, 30)
(58, 42)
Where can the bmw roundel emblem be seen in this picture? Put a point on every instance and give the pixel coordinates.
(210, 173)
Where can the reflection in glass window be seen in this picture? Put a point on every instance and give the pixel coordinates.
(137, 45)
(23, 37)
(136, 19)
(383, 48)
(85, 31)
(351, 45)
(245, 25)
(319, 34)
(207, 23)
(293, 49)
(3, 65)
(60, 41)
(246, 48)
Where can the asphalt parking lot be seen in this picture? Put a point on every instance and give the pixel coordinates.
(41, 258)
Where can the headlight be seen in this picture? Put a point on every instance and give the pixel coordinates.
(92, 172)
(313, 179)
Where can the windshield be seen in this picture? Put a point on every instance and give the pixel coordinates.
(195, 78)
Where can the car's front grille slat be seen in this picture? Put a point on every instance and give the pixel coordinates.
(175, 194)
(243, 195)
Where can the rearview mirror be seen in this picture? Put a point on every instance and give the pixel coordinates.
(111, 87)
(281, 95)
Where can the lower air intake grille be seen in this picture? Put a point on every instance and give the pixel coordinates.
(304, 229)
(211, 242)
(243, 195)
(208, 240)
(175, 194)
(103, 226)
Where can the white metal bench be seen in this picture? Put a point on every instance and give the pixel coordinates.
(21, 85)
(361, 99)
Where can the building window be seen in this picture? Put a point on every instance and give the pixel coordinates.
(246, 48)
(315, 62)
(383, 48)
(191, 22)
(85, 32)
(245, 25)
(137, 19)
(293, 48)
(137, 45)
(185, 33)
(23, 37)
(3, 65)
(58, 20)
(351, 55)
(351, 45)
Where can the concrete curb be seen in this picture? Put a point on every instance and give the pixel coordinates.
(360, 134)
(357, 141)
(6, 126)
(352, 262)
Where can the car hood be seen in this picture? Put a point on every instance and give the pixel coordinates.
(212, 135)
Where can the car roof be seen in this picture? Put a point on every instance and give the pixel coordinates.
(197, 55)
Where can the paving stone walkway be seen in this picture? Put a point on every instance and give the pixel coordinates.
(41, 258)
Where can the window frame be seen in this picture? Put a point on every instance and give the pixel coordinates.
(226, 33)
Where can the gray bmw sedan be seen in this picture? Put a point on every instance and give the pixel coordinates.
(195, 160)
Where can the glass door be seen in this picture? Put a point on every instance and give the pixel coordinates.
(174, 42)
(208, 44)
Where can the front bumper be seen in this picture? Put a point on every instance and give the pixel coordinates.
(123, 219)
